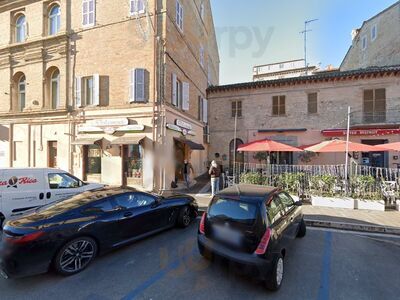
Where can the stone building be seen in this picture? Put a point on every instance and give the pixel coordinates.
(377, 42)
(113, 91)
(284, 69)
(307, 110)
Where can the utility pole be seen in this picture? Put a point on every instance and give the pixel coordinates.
(346, 166)
(305, 41)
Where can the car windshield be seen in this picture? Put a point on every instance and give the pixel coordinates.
(233, 210)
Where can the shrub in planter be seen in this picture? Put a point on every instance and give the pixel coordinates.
(323, 185)
(252, 178)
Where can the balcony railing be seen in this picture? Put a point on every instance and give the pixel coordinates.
(375, 118)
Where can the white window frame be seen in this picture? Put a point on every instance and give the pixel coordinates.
(134, 7)
(57, 81)
(54, 18)
(202, 52)
(364, 42)
(374, 27)
(179, 15)
(20, 28)
(88, 13)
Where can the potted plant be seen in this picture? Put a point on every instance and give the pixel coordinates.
(327, 191)
(367, 193)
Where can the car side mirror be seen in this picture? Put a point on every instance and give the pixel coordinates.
(298, 203)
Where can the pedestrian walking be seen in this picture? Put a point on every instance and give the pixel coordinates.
(187, 170)
(215, 173)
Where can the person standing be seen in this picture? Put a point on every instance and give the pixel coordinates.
(215, 173)
(187, 170)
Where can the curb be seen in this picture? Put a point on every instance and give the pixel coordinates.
(353, 227)
(345, 226)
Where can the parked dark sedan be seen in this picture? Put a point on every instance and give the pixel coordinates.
(252, 227)
(70, 234)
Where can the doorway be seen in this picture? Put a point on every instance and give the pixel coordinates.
(378, 159)
(180, 156)
(52, 154)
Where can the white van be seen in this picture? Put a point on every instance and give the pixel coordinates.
(23, 188)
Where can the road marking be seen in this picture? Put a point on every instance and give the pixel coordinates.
(157, 276)
(386, 235)
(323, 293)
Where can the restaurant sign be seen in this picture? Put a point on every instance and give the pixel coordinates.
(110, 126)
(360, 132)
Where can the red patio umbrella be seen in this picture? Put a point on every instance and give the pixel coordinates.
(388, 147)
(267, 146)
(339, 146)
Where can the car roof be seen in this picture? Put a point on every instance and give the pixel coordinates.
(32, 169)
(249, 191)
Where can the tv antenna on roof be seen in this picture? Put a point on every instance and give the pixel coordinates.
(304, 32)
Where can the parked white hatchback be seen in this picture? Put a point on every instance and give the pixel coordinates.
(24, 188)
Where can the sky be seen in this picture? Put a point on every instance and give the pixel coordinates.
(257, 32)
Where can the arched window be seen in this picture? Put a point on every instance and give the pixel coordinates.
(54, 20)
(21, 93)
(20, 29)
(55, 89)
(238, 156)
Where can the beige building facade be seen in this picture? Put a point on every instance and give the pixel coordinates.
(307, 110)
(112, 91)
(377, 42)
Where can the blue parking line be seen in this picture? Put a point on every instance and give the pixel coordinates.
(323, 293)
(156, 277)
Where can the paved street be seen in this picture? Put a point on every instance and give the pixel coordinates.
(323, 265)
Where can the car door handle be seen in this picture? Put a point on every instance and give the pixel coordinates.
(41, 196)
(48, 195)
(128, 214)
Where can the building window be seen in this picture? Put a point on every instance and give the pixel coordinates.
(88, 90)
(139, 85)
(52, 154)
(179, 15)
(88, 12)
(137, 7)
(364, 42)
(278, 105)
(133, 157)
(55, 89)
(93, 161)
(202, 10)
(374, 109)
(20, 27)
(374, 32)
(312, 103)
(236, 109)
(202, 56)
(200, 109)
(54, 20)
(21, 93)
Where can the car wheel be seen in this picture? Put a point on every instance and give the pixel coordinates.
(274, 282)
(302, 229)
(75, 256)
(184, 217)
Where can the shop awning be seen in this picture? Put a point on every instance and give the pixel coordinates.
(86, 141)
(128, 140)
(190, 144)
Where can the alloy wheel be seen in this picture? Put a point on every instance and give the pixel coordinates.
(279, 271)
(77, 256)
(186, 217)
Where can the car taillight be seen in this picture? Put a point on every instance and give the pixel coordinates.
(263, 245)
(201, 227)
(24, 238)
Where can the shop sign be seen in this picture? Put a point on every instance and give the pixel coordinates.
(137, 127)
(343, 132)
(181, 130)
(85, 128)
(108, 122)
(183, 124)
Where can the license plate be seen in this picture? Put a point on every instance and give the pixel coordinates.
(227, 234)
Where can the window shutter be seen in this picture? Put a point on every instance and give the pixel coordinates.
(78, 92)
(185, 96)
(132, 86)
(139, 83)
(96, 89)
(282, 105)
(85, 9)
(205, 110)
(174, 91)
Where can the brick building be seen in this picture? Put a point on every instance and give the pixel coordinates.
(101, 88)
(377, 42)
(307, 110)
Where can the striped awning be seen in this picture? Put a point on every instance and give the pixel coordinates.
(128, 140)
